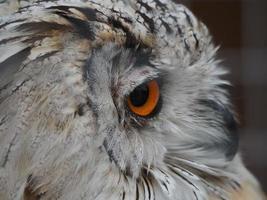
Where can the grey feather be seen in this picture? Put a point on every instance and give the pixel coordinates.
(66, 131)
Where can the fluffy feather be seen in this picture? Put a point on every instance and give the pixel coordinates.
(65, 131)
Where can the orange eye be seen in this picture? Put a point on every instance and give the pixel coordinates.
(144, 99)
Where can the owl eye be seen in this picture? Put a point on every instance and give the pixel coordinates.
(144, 100)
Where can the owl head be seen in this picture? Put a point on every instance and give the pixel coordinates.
(128, 89)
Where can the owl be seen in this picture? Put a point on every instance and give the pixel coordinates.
(115, 99)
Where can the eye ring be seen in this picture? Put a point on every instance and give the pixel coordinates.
(150, 99)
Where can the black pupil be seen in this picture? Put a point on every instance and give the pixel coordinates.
(139, 96)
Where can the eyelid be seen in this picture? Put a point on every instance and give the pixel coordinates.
(138, 76)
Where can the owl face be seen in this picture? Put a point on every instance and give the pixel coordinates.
(116, 93)
(150, 116)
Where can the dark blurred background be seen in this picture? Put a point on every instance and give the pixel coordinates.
(240, 28)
